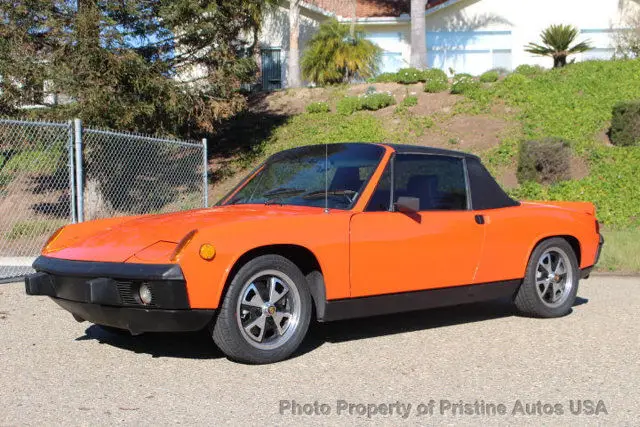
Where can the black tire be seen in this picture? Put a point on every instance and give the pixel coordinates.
(529, 300)
(235, 343)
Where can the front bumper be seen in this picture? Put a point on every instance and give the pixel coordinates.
(106, 293)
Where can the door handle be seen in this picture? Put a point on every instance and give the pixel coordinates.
(480, 219)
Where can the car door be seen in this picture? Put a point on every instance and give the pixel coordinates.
(437, 246)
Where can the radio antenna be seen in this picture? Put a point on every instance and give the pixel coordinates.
(326, 178)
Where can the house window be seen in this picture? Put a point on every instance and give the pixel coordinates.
(601, 40)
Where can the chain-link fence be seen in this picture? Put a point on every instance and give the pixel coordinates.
(52, 174)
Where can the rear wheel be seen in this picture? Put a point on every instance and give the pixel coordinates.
(551, 282)
(265, 313)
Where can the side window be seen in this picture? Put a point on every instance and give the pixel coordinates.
(438, 181)
(381, 197)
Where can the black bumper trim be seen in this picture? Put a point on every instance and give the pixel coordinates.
(586, 272)
(138, 320)
(109, 284)
(599, 251)
(116, 270)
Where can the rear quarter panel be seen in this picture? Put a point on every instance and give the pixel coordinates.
(512, 234)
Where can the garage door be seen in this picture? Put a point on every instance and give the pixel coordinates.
(390, 43)
(472, 52)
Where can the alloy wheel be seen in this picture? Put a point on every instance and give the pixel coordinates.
(554, 277)
(268, 309)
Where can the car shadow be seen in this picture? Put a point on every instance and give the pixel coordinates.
(183, 345)
(199, 345)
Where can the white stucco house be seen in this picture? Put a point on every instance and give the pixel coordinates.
(470, 36)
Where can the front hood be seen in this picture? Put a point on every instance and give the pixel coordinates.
(104, 241)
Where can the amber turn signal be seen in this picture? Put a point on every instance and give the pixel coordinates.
(207, 252)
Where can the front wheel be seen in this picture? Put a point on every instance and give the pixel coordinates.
(265, 313)
(550, 285)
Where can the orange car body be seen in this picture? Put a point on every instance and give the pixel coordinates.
(359, 253)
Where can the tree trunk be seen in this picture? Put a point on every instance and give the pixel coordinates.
(293, 78)
(354, 17)
(559, 61)
(418, 34)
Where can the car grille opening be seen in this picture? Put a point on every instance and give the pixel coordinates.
(129, 294)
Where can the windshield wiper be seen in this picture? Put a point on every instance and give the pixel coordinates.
(320, 193)
(279, 193)
(235, 200)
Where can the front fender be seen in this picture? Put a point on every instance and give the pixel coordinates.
(326, 235)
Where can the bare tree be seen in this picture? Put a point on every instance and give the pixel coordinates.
(418, 34)
(627, 41)
(293, 77)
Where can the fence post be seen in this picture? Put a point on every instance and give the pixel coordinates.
(72, 180)
(77, 126)
(205, 173)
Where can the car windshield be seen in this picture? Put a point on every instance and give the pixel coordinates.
(300, 177)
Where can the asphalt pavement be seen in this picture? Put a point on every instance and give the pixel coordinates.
(475, 364)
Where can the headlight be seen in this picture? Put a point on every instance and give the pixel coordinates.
(182, 244)
(145, 294)
(53, 238)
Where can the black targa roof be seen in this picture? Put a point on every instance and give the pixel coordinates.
(486, 193)
(408, 149)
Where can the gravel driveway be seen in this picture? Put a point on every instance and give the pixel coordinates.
(464, 365)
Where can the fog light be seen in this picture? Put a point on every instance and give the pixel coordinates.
(145, 294)
(207, 252)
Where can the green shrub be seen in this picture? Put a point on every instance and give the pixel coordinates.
(464, 83)
(34, 228)
(348, 105)
(625, 123)
(546, 161)
(489, 77)
(502, 71)
(376, 101)
(435, 86)
(512, 87)
(435, 81)
(410, 101)
(318, 107)
(44, 162)
(409, 76)
(386, 78)
(529, 70)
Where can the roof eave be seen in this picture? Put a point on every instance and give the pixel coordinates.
(396, 19)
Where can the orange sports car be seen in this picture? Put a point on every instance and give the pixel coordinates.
(323, 232)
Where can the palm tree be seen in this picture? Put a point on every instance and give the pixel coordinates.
(556, 43)
(418, 34)
(334, 56)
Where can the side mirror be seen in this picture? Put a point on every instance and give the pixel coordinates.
(409, 205)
